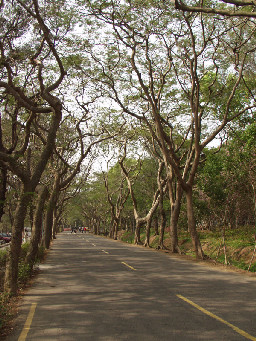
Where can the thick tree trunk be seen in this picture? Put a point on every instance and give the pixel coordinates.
(192, 225)
(156, 227)
(55, 223)
(49, 221)
(116, 224)
(162, 227)
(148, 228)
(11, 273)
(137, 240)
(3, 184)
(94, 226)
(175, 195)
(98, 221)
(161, 211)
(37, 228)
(175, 213)
(111, 229)
(48, 233)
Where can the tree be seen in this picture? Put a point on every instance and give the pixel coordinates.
(64, 171)
(94, 207)
(27, 95)
(181, 107)
(37, 227)
(3, 189)
(233, 8)
(140, 221)
(116, 201)
(227, 179)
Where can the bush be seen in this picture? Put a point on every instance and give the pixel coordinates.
(128, 237)
(40, 254)
(3, 256)
(4, 309)
(24, 250)
(23, 272)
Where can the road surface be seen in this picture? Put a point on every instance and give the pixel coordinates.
(92, 288)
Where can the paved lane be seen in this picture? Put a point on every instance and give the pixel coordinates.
(93, 288)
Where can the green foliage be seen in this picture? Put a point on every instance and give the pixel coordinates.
(23, 272)
(211, 178)
(40, 254)
(4, 309)
(127, 237)
(3, 257)
(23, 276)
(24, 250)
(239, 245)
(23, 268)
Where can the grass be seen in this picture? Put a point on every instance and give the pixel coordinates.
(239, 245)
(127, 237)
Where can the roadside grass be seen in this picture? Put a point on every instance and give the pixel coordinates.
(127, 237)
(155, 241)
(239, 245)
(8, 303)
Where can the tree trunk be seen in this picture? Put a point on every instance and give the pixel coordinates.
(3, 184)
(175, 213)
(192, 225)
(98, 226)
(111, 228)
(37, 228)
(161, 211)
(156, 227)
(55, 223)
(162, 226)
(50, 212)
(138, 226)
(49, 221)
(116, 224)
(148, 228)
(94, 226)
(11, 273)
(174, 229)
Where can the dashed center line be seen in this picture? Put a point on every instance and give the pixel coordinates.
(236, 329)
(128, 266)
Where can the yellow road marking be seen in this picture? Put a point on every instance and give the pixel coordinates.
(105, 252)
(236, 329)
(28, 322)
(128, 266)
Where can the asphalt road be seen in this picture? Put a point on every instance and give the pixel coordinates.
(93, 288)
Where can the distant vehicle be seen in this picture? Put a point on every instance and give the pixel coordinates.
(5, 237)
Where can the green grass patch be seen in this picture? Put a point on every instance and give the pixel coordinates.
(128, 237)
(239, 245)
